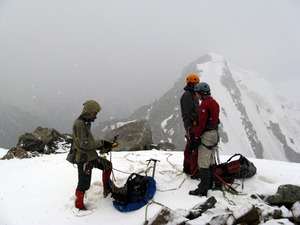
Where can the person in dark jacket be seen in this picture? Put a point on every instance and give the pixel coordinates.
(206, 138)
(86, 156)
(189, 110)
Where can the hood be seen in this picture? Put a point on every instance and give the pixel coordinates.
(89, 109)
(188, 88)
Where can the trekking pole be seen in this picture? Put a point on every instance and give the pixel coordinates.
(154, 160)
(231, 188)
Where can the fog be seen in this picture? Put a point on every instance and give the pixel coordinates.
(54, 55)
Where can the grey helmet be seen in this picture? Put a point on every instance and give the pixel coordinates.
(202, 87)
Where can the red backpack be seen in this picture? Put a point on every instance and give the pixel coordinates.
(234, 169)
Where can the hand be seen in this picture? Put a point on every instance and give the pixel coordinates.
(195, 144)
(107, 144)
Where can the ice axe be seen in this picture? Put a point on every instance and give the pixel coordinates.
(154, 160)
(231, 188)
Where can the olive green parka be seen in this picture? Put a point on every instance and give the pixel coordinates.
(83, 139)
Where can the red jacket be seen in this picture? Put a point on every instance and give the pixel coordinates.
(208, 115)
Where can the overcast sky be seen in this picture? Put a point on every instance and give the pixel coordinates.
(63, 52)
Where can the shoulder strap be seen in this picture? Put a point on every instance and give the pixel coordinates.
(237, 154)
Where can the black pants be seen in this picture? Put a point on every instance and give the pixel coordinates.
(85, 172)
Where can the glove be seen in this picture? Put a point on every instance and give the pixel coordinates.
(195, 144)
(107, 144)
(105, 148)
(114, 144)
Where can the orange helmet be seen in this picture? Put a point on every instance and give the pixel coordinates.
(192, 79)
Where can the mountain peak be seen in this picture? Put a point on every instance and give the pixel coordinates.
(215, 57)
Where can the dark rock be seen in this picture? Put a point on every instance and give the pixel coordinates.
(16, 153)
(42, 140)
(250, 217)
(286, 195)
(221, 219)
(167, 216)
(254, 196)
(270, 213)
(31, 143)
(199, 209)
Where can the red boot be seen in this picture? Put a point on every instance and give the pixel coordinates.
(105, 178)
(79, 200)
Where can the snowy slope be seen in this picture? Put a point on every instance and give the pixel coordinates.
(251, 101)
(41, 190)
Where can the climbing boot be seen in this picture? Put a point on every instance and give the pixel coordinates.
(204, 184)
(79, 200)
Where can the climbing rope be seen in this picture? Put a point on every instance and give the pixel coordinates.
(149, 203)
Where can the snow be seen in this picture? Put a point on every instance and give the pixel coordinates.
(165, 122)
(296, 212)
(41, 190)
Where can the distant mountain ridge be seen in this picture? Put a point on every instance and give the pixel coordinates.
(253, 121)
(15, 122)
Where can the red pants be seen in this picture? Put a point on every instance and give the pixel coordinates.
(191, 155)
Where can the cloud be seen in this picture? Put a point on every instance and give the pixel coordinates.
(128, 53)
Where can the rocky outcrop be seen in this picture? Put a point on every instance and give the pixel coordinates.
(42, 140)
(283, 207)
(286, 195)
(131, 136)
(197, 211)
(16, 153)
(289, 152)
(167, 216)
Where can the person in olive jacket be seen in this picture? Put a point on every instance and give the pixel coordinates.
(86, 155)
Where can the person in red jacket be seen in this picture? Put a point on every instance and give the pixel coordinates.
(206, 138)
(189, 110)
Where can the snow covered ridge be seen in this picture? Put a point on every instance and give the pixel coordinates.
(41, 190)
(254, 121)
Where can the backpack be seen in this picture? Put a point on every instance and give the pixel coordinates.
(240, 168)
(134, 190)
(71, 157)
